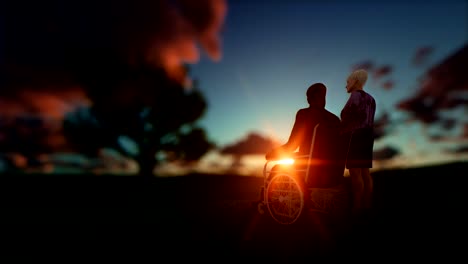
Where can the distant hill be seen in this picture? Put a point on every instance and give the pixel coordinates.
(454, 168)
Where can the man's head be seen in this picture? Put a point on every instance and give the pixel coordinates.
(316, 94)
(356, 80)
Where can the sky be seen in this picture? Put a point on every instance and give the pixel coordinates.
(272, 51)
(253, 61)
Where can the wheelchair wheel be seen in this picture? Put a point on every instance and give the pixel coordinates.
(285, 198)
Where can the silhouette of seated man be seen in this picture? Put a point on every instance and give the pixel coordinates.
(327, 164)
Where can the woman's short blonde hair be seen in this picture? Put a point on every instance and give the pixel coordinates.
(359, 75)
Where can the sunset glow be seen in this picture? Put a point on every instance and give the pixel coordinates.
(288, 161)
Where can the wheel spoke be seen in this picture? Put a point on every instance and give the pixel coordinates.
(284, 199)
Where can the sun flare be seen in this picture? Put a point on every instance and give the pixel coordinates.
(288, 161)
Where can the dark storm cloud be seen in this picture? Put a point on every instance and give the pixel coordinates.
(376, 72)
(388, 85)
(49, 45)
(444, 87)
(458, 150)
(463, 136)
(367, 65)
(385, 153)
(382, 71)
(437, 138)
(44, 33)
(451, 103)
(381, 125)
(421, 55)
(47, 103)
(57, 54)
(419, 109)
(460, 138)
(448, 124)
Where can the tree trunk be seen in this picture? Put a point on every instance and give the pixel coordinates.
(146, 162)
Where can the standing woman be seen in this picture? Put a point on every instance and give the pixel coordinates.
(357, 120)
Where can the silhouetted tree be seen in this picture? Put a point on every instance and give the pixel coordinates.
(158, 113)
(126, 57)
(83, 132)
(25, 135)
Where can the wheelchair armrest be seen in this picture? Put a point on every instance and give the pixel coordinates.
(297, 155)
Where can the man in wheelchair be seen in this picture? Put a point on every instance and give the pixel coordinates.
(326, 155)
(319, 154)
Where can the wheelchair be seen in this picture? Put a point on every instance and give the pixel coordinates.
(296, 183)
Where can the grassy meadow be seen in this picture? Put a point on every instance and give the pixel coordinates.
(417, 211)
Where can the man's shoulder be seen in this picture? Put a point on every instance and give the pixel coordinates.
(317, 112)
(303, 111)
(331, 115)
(330, 122)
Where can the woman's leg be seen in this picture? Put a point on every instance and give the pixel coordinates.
(368, 188)
(357, 186)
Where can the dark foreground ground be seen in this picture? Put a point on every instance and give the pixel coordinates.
(419, 213)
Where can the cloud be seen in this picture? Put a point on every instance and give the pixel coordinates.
(437, 138)
(419, 110)
(421, 55)
(51, 49)
(50, 45)
(254, 143)
(382, 71)
(451, 102)
(367, 65)
(459, 150)
(460, 138)
(207, 18)
(380, 125)
(464, 134)
(48, 103)
(30, 135)
(385, 153)
(444, 87)
(376, 72)
(448, 123)
(163, 32)
(388, 85)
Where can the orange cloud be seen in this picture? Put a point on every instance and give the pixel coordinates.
(51, 104)
(183, 28)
